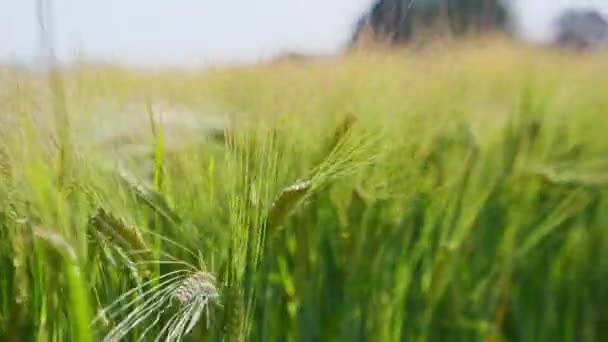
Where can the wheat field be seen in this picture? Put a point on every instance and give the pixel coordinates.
(458, 193)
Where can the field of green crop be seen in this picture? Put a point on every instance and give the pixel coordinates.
(450, 194)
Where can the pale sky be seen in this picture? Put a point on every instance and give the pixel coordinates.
(196, 32)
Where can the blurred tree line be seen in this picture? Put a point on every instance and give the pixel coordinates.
(397, 20)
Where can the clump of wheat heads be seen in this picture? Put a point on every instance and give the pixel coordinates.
(347, 152)
(183, 294)
(186, 293)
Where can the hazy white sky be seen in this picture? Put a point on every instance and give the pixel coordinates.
(192, 32)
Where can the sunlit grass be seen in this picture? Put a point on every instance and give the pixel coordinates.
(454, 193)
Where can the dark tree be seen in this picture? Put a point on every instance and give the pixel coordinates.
(395, 20)
(582, 29)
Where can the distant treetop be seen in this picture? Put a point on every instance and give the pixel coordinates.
(395, 21)
(582, 29)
